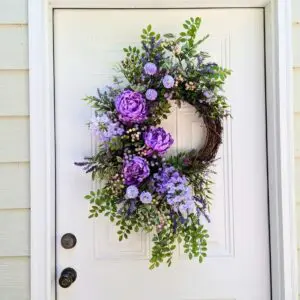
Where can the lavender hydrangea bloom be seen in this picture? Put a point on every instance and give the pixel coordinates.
(146, 197)
(135, 170)
(104, 128)
(168, 181)
(151, 94)
(168, 81)
(150, 68)
(132, 192)
(157, 139)
(131, 107)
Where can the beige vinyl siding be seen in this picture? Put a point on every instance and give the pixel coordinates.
(296, 74)
(14, 152)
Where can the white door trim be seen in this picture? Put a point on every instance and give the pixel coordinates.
(279, 133)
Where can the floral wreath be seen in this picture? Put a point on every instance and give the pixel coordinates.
(144, 190)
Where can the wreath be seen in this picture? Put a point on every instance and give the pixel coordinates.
(142, 188)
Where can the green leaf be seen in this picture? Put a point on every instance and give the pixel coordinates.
(149, 27)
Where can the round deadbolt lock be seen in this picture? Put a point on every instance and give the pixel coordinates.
(68, 241)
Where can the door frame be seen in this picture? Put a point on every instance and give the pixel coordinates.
(279, 103)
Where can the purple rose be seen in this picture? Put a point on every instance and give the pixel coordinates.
(151, 94)
(158, 139)
(168, 81)
(135, 170)
(150, 68)
(131, 107)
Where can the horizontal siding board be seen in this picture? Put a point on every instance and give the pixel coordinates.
(14, 185)
(14, 93)
(14, 278)
(14, 47)
(14, 232)
(13, 11)
(296, 45)
(14, 139)
(295, 10)
(297, 90)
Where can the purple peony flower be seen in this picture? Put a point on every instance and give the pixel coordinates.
(158, 139)
(135, 170)
(151, 94)
(131, 107)
(150, 68)
(146, 197)
(132, 192)
(168, 81)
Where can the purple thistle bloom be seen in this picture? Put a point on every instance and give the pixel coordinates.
(135, 170)
(168, 81)
(132, 192)
(150, 68)
(146, 197)
(151, 94)
(157, 139)
(131, 107)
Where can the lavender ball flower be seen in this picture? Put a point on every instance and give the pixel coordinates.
(157, 139)
(146, 197)
(135, 170)
(132, 192)
(151, 94)
(150, 68)
(131, 107)
(168, 81)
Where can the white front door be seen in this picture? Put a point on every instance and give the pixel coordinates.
(87, 44)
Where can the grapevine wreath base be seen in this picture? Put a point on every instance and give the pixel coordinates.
(144, 189)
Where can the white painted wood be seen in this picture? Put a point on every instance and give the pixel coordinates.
(14, 279)
(40, 29)
(42, 159)
(14, 139)
(13, 12)
(234, 269)
(297, 186)
(280, 150)
(14, 93)
(157, 3)
(295, 10)
(14, 232)
(14, 52)
(296, 45)
(14, 185)
(296, 75)
(297, 134)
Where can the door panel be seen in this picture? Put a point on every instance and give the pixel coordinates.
(87, 44)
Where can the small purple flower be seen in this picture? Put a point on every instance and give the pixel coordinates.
(168, 81)
(151, 94)
(158, 139)
(150, 68)
(132, 192)
(146, 197)
(104, 128)
(208, 94)
(135, 170)
(131, 107)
